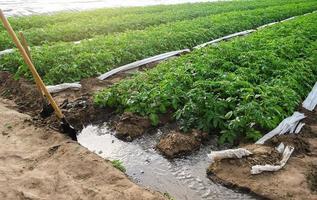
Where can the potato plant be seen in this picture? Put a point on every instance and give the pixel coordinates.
(77, 26)
(237, 89)
(65, 62)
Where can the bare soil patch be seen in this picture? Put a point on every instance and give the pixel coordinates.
(312, 178)
(176, 144)
(130, 126)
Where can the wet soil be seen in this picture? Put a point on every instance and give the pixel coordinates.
(299, 142)
(176, 144)
(312, 178)
(130, 126)
(77, 106)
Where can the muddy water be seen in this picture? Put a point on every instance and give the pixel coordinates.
(28, 7)
(184, 178)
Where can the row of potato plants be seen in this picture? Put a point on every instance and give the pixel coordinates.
(66, 62)
(42, 20)
(238, 89)
(73, 27)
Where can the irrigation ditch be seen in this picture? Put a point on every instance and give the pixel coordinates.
(183, 177)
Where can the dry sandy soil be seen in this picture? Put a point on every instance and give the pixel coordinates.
(297, 180)
(39, 163)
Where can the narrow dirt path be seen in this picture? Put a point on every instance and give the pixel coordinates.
(39, 163)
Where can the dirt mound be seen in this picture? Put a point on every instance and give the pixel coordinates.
(262, 155)
(21, 91)
(297, 141)
(130, 126)
(311, 116)
(312, 178)
(82, 111)
(176, 144)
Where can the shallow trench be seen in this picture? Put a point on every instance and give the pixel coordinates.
(183, 178)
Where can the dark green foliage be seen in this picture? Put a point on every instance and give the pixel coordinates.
(65, 62)
(238, 88)
(72, 26)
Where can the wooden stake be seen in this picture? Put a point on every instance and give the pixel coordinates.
(26, 48)
(28, 61)
(25, 44)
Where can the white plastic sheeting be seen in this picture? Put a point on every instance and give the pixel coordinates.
(287, 19)
(257, 169)
(299, 127)
(242, 33)
(311, 101)
(229, 153)
(287, 125)
(280, 148)
(139, 63)
(79, 41)
(266, 25)
(7, 51)
(224, 38)
(63, 86)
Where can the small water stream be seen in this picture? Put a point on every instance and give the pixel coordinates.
(183, 178)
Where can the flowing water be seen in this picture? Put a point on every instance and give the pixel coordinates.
(183, 178)
(28, 7)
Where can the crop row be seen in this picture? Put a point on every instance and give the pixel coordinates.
(66, 62)
(82, 26)
(238, 88)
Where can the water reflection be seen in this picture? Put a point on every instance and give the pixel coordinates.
(182, 178)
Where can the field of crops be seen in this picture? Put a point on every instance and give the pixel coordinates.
(238, 88)
(78, 26)
(68, 62)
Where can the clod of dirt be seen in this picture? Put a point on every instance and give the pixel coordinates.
(3, 77)
(4, 133)
(297, 141)
(311, 116)
(312, 178)
(130, 126)
(82, 111)
(262, 155)
(176, 144)
(21, 91)
(309, 131)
